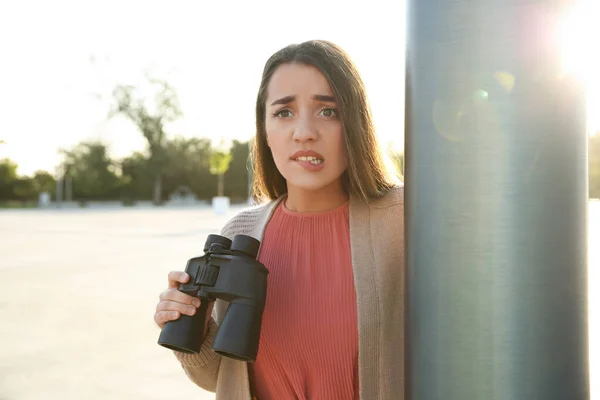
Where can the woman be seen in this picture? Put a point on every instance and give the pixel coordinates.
(332, 238)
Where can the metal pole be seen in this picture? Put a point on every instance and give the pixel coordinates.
(496, 205)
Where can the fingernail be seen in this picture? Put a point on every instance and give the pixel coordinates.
(196, 302)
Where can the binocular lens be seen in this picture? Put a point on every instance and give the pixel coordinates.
(245, 244)
(216, 239)
(239, 333)
(186, 333)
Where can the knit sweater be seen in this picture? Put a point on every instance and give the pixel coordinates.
(377, 250)
(309, 337)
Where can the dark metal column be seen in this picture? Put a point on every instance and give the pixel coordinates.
(496, 205)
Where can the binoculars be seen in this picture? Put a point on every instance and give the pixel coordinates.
(228, 270)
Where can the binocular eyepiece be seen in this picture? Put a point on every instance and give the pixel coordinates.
(229, 271)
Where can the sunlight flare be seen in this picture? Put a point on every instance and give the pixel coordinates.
(579, 34)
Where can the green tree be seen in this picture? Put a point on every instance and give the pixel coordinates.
(151, 121)
(220, 157)
(188, 165)
(95, 176)
(8, 179)
(43, 181)
(22, 188)
(138, 176)
(237, 175)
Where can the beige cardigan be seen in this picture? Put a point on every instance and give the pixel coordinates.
(377, 246)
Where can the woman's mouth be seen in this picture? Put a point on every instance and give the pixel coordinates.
(311, 159)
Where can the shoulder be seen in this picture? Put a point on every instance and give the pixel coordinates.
(386, 224)
(383, 214)
(246, 220)
(386, 213)
(393, 198)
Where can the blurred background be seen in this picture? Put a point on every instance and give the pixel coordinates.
(125, 138)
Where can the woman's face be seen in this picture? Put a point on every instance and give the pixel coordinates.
(303, 128)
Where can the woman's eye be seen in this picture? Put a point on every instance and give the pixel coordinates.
(329, 112)
(283, 113)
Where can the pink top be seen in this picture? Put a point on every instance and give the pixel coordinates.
(310, 286)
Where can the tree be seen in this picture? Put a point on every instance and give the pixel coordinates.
(8, 179)
(24, 189)
(237, 175)
(220, 157)
(188, 165)
(94, 174)
(43, 181)
(151, 122)
(138, 176)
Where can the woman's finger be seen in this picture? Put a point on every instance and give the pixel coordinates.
(162, 317)
(180, 297)
(167, 305)
(177, 277)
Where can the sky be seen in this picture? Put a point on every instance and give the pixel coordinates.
(211, 52)
(53, 96)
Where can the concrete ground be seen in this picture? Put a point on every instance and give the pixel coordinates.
(78, 292)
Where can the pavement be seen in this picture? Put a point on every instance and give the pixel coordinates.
(78, 293)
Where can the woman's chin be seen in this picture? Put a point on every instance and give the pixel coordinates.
(310, 183)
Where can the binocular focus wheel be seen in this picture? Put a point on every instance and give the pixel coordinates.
(245, 244)
(216, 239)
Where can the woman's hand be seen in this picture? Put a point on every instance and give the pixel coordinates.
(174, 303)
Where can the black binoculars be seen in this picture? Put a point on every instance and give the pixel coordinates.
(229, 271)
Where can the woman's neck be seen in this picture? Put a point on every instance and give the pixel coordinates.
(324, 199)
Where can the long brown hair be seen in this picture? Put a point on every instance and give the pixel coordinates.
(369, 174)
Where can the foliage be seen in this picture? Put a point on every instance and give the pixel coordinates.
(150, 120)
(237, 174)
(189, 162)
(94, 175)
(43, 182)
(219, 162)
(188, 165)
(220, 158)
(8, 179)
(22, 189)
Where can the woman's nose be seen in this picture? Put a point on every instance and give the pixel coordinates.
(305, 130)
